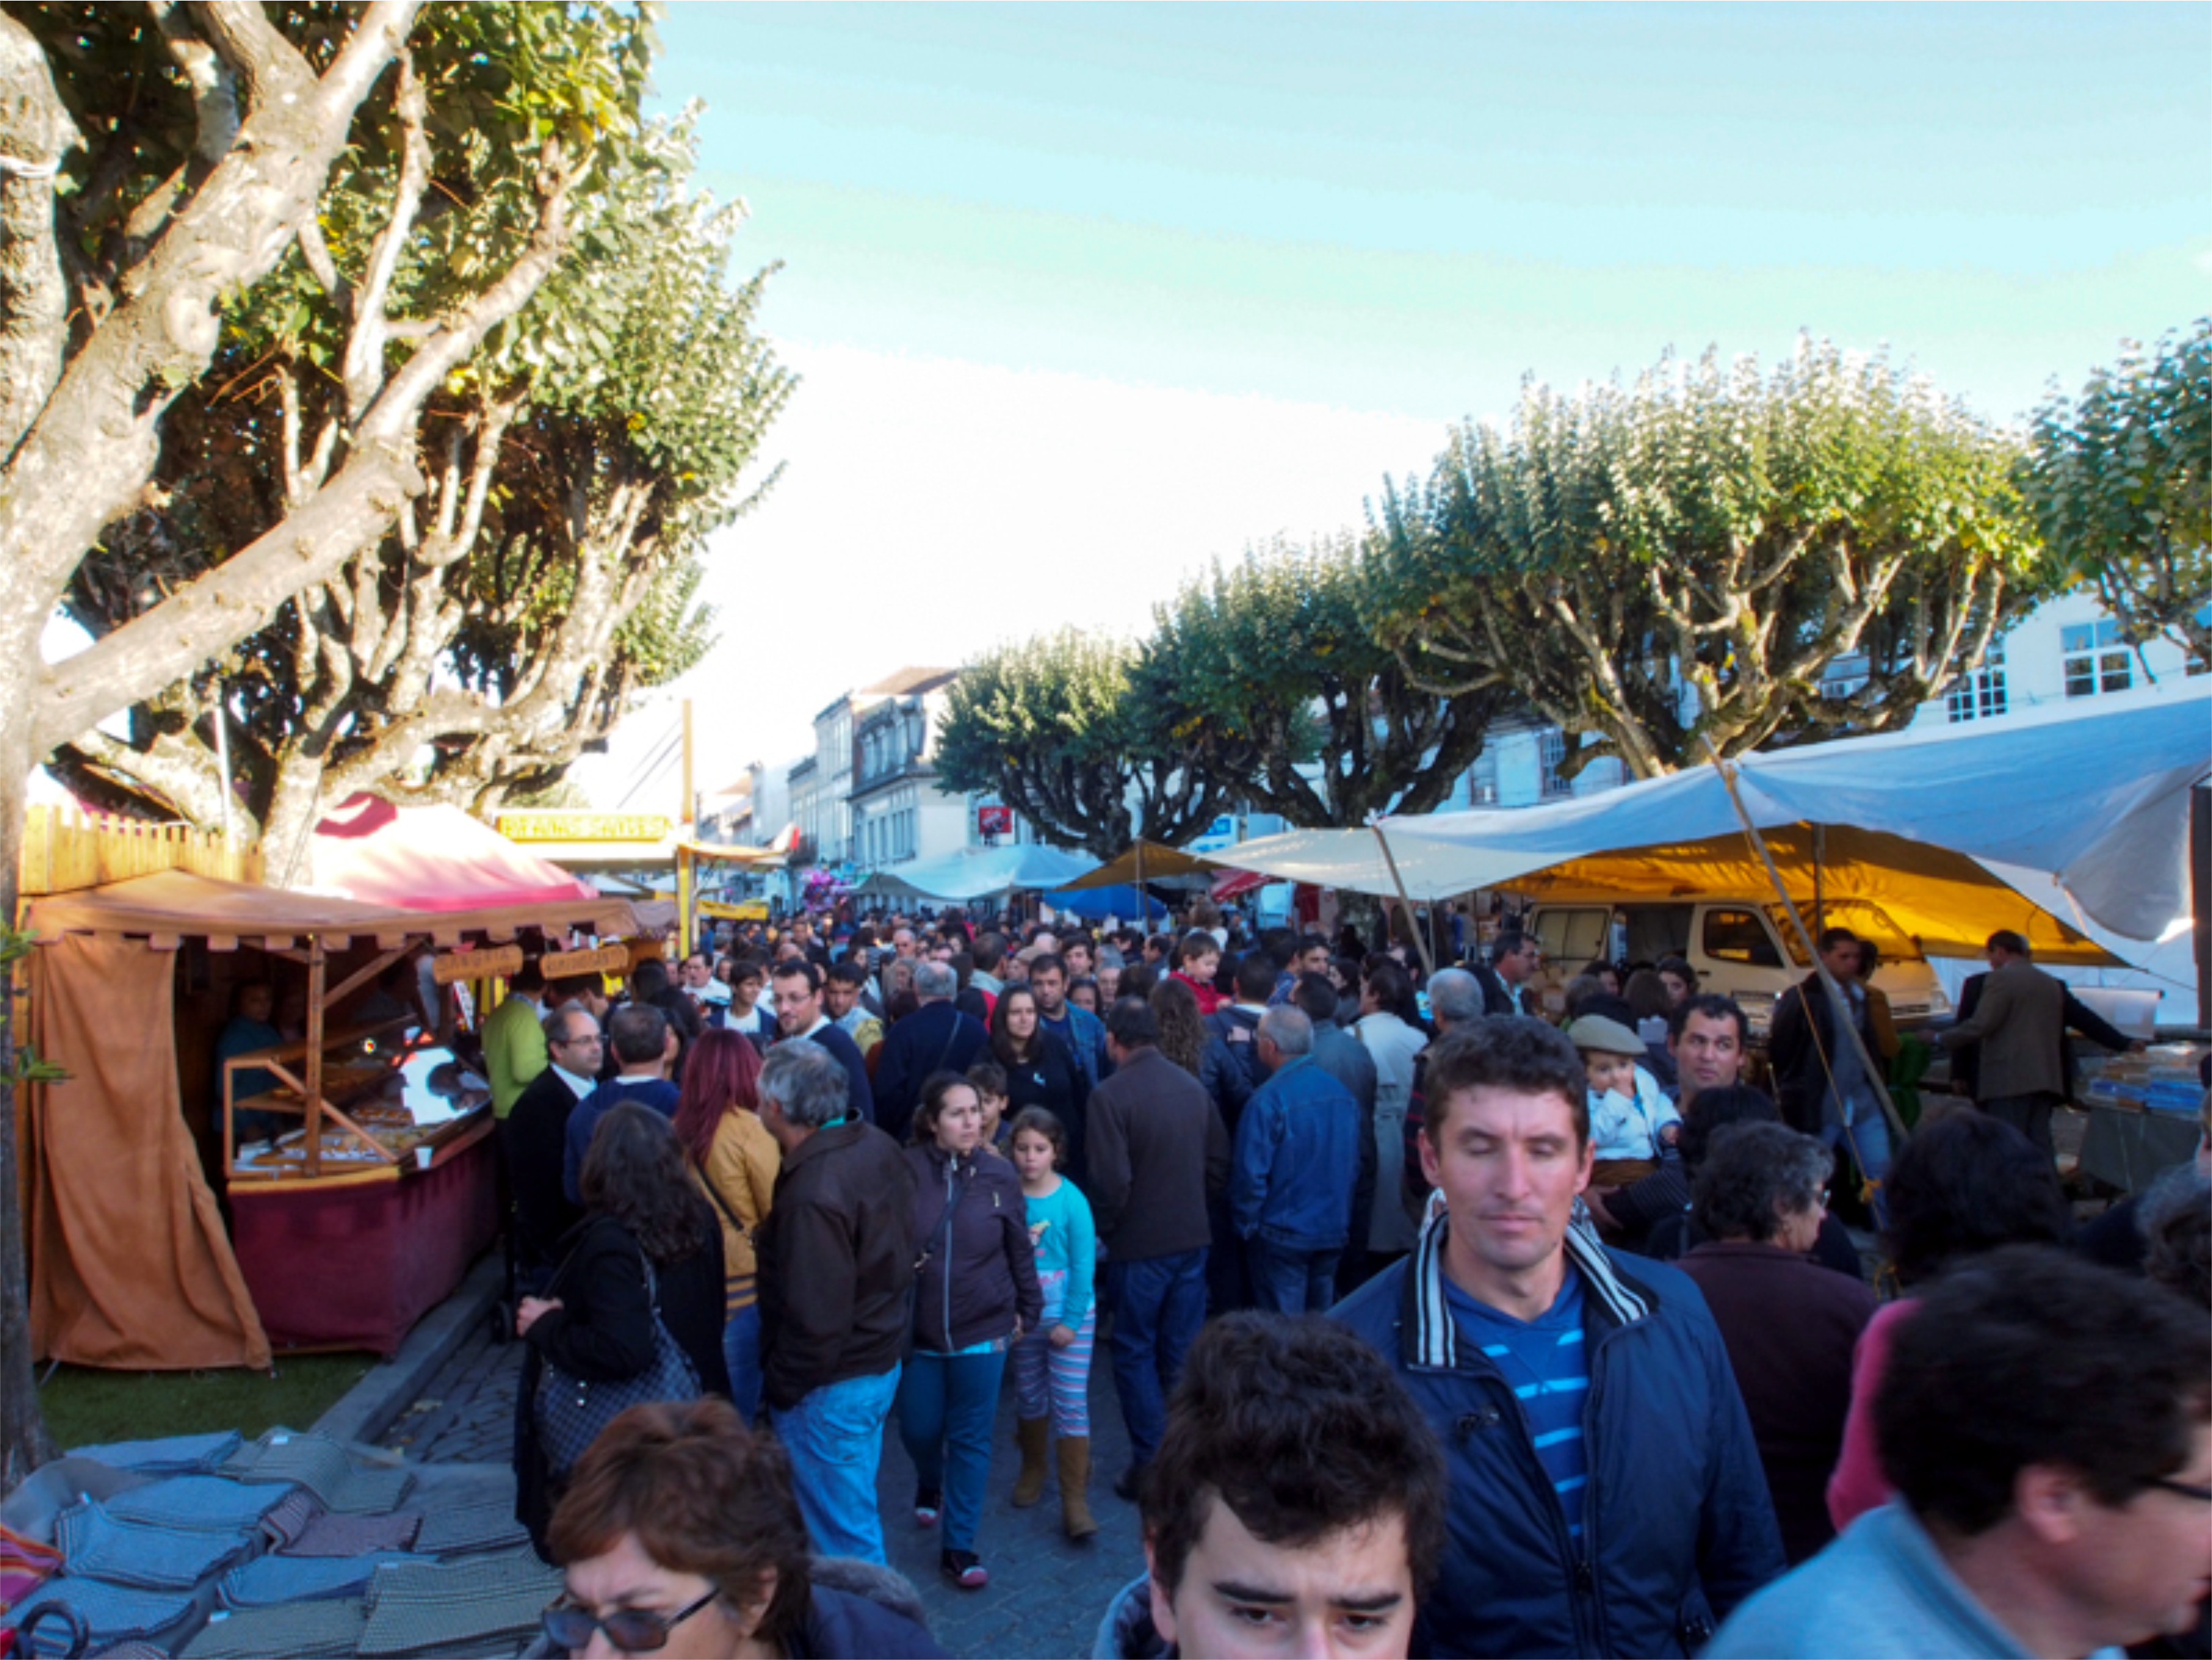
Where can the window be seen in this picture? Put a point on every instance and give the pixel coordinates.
(1482, 780)
(2096, 658)
(1739, 936)
(1980, 694)
(1551, 751)
(1844, 677)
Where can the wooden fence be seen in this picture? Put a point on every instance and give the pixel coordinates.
(64, 850)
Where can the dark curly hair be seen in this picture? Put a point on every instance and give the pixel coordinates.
(1506, 1051)
(2177, 1227)
(633, 1172)
(2029, 1355)
(1752, 1173)
(1968, 1183)
(1712, 1110)
(1303, 1431)
(1183, 1029)
(703, 1495)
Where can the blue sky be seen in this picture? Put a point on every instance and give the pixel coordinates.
(1406, 208)
(1085, 297)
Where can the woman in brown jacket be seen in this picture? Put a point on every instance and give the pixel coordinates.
(734, 1161)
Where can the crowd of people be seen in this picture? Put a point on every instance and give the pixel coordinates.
(1436, 1324)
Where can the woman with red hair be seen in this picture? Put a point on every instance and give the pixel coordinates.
(734, 1160)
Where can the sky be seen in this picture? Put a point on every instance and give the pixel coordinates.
(1083, 298)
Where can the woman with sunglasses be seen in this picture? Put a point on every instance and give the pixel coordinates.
(680, 1536)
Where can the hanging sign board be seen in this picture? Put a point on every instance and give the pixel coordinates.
(453, 965)
(583, 826)
(598, 959)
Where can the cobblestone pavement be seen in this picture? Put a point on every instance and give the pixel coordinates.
(1046, 1594)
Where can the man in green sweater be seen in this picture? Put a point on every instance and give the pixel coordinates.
(514, 1039)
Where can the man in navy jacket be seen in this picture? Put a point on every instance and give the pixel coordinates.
(1607, 1495)
(935, 1038)
(1295, 1164)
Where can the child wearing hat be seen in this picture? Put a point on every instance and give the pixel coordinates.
(1631, 1127)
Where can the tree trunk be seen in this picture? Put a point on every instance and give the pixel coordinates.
(24, 1443)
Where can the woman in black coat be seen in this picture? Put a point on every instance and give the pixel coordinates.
(645, 1231)
(1040, 1070)
(974, 1290)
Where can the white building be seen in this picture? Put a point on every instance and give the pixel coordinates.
(898, 812)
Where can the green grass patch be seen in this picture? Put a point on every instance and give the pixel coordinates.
(86, 1404)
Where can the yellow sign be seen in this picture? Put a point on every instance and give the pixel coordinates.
(583, 826)
(746, 911)
(602, 960)
(499, 960)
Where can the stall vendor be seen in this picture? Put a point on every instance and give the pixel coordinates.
(249, 1028)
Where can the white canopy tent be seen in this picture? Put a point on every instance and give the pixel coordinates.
(2085, 813)
(2098, 799)
(978, 874)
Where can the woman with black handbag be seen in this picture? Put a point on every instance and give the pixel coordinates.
(634, 1313)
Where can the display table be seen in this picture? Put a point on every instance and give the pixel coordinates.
(2129, 1149)
(354, 1261)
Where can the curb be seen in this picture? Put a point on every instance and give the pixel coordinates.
(371, 1406)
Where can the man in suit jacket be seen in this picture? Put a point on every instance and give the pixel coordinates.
(1514, 959)
(935, 1038)
(1965, 1061)
(2018, 1022)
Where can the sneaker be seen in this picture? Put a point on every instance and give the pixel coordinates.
(928, 1501)
(1127, 1484)
(964, 1569)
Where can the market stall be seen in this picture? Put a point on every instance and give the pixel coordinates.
(2146, 1113)
(346, 1230)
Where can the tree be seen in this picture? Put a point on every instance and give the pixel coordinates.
(1682, 563)
(2120, 483)
(162, 164)
(1272, 662)
(479, 645)
(1064, 730)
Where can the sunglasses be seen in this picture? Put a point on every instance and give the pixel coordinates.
(634, 1630)
(2203, 1495)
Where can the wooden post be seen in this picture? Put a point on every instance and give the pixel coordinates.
(1838, 1004)
(314, 1055)
(1412, 922)
(684, 884)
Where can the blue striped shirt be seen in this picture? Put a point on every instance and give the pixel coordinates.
(1547, 1364)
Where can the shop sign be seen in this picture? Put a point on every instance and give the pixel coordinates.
(500, 961)
(584, 826)
(995, 821)
(598, 959)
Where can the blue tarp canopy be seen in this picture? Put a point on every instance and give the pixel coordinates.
(978, 874)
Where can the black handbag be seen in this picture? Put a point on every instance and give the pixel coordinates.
(571, 1411)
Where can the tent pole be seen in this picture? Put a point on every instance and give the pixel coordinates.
(1819, 857)
(684, 883)
(313, 1078)
(1144, 909)
(1412, 922)
(1838, 1004)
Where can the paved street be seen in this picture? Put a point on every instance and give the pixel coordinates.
(1046, 1594)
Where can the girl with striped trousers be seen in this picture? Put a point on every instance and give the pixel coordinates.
(1052, 1364)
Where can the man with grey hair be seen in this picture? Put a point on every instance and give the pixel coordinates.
(1297, 1160)
(1455, 998)
(935, 1038)
(837, 1273)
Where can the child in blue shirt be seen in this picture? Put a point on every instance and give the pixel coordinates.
(1052, 1364)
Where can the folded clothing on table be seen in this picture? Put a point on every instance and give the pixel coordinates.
(309, 1631)
(168, 1455)
(108, 1614)
(149, 1556)
(277, 1580)
(356, 1535)
(444, 1608)
(204, 1504)
(322, 1466)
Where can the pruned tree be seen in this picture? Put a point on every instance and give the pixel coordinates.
(575, 465)
(1063, 729)
(1271, 662)
(1699, 559)
(163, 163)
(2120, 483)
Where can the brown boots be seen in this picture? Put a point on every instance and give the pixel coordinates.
(1074, 1486)
(1033, 1436)
(1030, 1434)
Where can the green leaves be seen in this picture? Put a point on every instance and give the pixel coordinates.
(2119, 482)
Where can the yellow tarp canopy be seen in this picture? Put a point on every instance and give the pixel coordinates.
(1896, 892)
(1161, 864)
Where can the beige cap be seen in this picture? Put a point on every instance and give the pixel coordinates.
(1595, 1031)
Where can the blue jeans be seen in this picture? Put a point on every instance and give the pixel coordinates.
(1868, 1145)
(1289, 1281)
(741, 1353)
(834, 1436)
(947, 1404)
(1159, 1304)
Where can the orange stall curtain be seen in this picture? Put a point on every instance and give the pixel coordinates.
(130, 1267)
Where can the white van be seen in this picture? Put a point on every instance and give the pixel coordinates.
(1741, 948)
